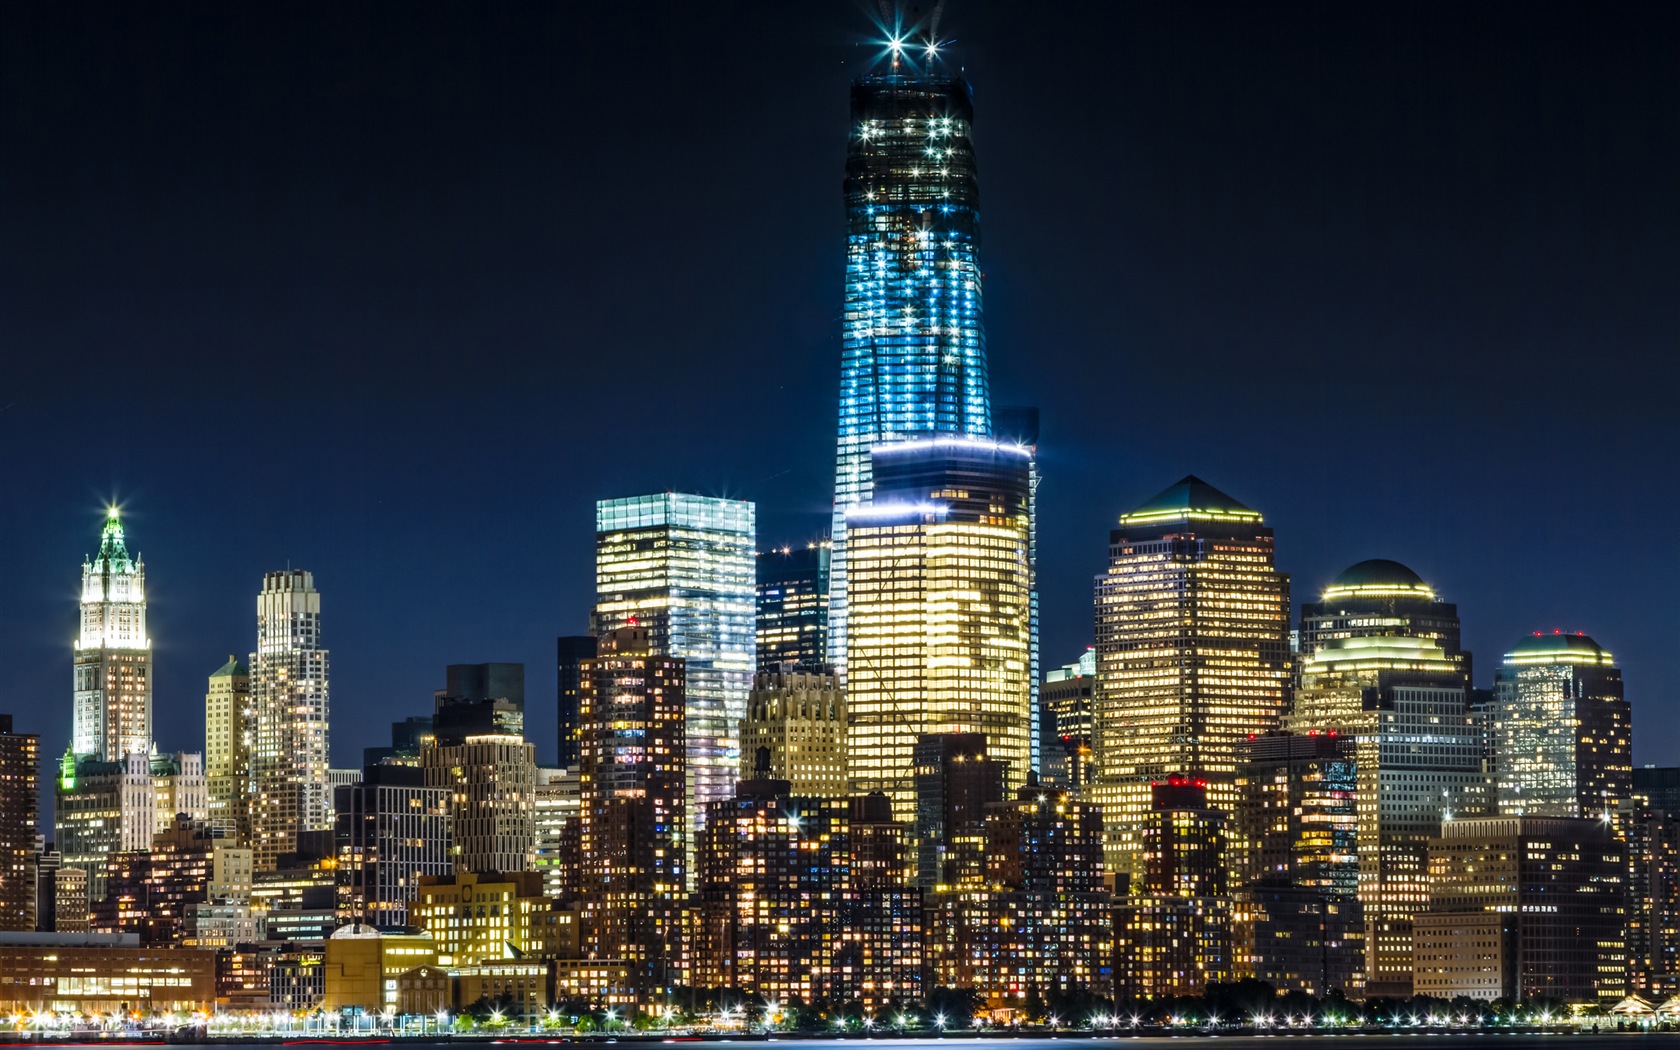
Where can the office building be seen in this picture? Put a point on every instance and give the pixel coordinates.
(795, 730)
(480, 917)
(480, 700)
(955, 780)
(1296, 872)
(227, 750)
(1192, 635)
(1564, 733)
(1659, 786)
(570, 652)
(20, 764)
(681, 567)
(793, 607)
(149, 891)
(1039, 924)
(1065, 701)
(1172, 934)
(559, 814)
(940, 609)
(391, 831)
(95, 974)
(112, 716)
(289, 717)
(1523, 908)
(634, 827)
(791, 905)
(490, 782)
(913, 358)
(101, 808)
(1418, 757)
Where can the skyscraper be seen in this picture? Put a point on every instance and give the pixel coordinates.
(227, 747)
(681, 567)
(913, 358)
(941, 610)
(289, 707)
(20, 772)
(1192, 628)
(113, 712)
(570, 651)
(793, 607)
(1418, 761)
(479, 756)
(634, 819)
(391, 830)
(1564, 733)
(795, 730)
(1065, 721)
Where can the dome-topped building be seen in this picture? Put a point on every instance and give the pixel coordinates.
(1379, 598)
(1564, 728)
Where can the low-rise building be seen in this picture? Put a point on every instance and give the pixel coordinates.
(91, 973)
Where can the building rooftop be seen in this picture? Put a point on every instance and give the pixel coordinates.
(232, 669)
(1378, 578)
(1190, 499)
(1558, 648)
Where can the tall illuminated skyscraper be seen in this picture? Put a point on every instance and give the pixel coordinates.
(793, 607)
(941, 615)
(289, 707)
(1192, 628)
(20, 773)
(1379, 598)
(682, 567)
(1564, 733)
(913, 356)
(227, 747)
(113, 712)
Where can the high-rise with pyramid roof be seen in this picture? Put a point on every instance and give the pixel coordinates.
(1192, 628)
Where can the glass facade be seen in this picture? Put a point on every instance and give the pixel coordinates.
(793, 607)
(940, 638)
(682, 567)
(913, 345)
(1564, 732)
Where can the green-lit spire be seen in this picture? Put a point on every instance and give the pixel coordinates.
(113, 552)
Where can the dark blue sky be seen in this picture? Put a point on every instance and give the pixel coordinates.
(395, 292)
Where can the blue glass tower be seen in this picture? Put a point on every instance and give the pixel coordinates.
(914, 347)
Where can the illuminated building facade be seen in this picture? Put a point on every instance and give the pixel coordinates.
(108, 974)
(559, 809)
(793, 607)
(798, 899)
(1039, 922)
(113, 673)
(682, 567)
(1524, 907)
(1172, 935)
(20, 765)
(391, 830)
(570, 652)
(479, 757)
(913, 359)
(1379, 598)
(1652, 835)
(481, 917)
(150, 891)
(955, 781)
(289, 710)
(101, 808)
(795, 730)
(1192, 629)
(633, 832)
(1065, 701)
(1418, 761)
(227, 747)
(1301, 926)
(1564, 732)
(940, 613)
(360, 966)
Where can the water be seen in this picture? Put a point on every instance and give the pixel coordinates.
(1418, 1040)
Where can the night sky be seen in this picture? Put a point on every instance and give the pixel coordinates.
(395, 292)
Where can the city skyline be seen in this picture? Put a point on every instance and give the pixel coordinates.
(1496, 538)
